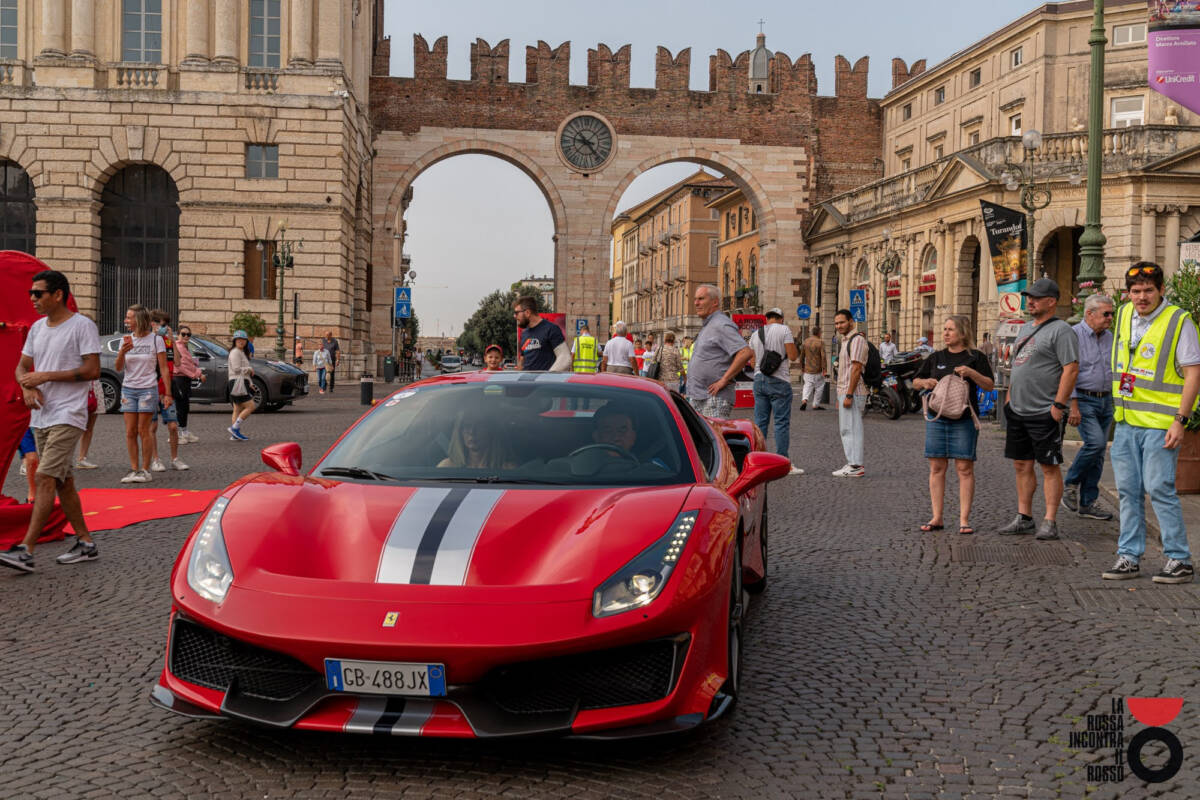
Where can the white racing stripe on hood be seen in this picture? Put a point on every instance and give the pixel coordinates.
(434, 535)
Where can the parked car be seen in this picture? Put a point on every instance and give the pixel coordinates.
(275, 384)
(476, 362)
(451, 364)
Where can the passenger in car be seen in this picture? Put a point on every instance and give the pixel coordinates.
(475, 444)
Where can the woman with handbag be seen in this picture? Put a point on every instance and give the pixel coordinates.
(951, 379)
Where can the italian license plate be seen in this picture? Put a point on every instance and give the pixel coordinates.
(385, 677)
(889, 381)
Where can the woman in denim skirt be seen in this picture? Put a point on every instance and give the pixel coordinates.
(947, 439)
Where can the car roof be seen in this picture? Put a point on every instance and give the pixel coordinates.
(612, 379)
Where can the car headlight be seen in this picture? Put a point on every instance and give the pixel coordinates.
(641, 580)
(209, 572)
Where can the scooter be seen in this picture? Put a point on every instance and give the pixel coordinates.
(885, 399)
(904, 367)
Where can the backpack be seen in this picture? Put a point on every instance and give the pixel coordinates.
(951, 398)
(872, 372)
(771, 360)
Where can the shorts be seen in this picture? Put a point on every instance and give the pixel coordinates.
(56, 450)
(951, 438)
(167, 415)
(619, 370)
(27, 445)
(710, 406)
(240, 398)
(139, 401)
(1036, 437)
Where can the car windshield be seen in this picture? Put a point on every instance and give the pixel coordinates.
(523, 430)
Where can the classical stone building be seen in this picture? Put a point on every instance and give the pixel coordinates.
(950, 134)
(156, 151)
(737, 253)
(668, 247)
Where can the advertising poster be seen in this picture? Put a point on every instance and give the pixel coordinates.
(1173, 43)
(1007, 244)
(1189, 255)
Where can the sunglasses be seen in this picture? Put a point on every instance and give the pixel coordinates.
(1135, 271)
(37, 293)
(184, 335)
(1107, 314)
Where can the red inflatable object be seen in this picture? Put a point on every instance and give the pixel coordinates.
(17, 314)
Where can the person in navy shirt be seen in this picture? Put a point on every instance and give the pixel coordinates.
(542, 346)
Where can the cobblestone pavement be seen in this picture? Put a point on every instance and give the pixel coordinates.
(882, 662)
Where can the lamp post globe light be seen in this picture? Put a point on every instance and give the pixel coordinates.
(892, 259)
(1034, 186)
(282, 260)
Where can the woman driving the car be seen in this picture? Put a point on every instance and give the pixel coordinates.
(475, 445)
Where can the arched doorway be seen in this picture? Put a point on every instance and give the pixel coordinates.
(967, 300)
(139, 243)
(830, 292)
(1060, 261)
(18, 214)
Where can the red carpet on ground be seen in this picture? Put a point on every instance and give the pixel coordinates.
(104, 510)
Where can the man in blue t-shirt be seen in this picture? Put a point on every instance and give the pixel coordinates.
(541, 345)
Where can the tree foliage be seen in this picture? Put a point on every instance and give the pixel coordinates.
(248, 321)
(493, 323)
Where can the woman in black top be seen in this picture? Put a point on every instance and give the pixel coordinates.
(956, 439)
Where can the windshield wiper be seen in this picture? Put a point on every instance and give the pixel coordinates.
(357, 472)
(499, 479)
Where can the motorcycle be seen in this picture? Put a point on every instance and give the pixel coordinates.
(886, 398)
(904, 367)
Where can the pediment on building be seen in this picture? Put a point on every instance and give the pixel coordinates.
(1186, 161)
(826, 219)
(962, 174)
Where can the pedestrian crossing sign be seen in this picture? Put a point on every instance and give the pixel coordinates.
(403, 310)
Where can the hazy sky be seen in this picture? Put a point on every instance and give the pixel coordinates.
(477, 223)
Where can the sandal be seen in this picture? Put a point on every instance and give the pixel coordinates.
(929, 526)
(965, 529)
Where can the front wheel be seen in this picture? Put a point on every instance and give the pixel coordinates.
(110, 389)
(258, 394)
(889, 403)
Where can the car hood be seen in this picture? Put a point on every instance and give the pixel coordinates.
(439, 535)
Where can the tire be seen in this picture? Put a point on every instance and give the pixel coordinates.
(890, 403)
(734, 637)
(760, 585)
(259, 394)
(110, 389)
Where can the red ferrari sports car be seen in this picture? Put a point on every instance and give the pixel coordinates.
(482, 555)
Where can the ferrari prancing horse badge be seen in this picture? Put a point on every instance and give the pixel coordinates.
(389, 621)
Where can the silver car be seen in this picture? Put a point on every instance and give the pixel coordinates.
(275, 384)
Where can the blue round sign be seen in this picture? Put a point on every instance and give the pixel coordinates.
(803, 311)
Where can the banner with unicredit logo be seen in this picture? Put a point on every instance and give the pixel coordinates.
(1173, 41)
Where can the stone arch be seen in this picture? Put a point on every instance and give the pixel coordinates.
(831, 291)
(929, 259)
(731, 169)
(968, 281)
(486, 147)
(16, 149)
(133, 145)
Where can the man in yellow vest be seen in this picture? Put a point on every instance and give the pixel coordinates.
(685, 353)
(1156, 376)
(585, 355)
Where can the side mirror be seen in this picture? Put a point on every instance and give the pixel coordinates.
(758, 468)
(283, 457)
(201, 356)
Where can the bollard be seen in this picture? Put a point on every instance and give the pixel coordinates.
(366, 389)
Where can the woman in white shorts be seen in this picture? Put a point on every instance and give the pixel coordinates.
(143, 355)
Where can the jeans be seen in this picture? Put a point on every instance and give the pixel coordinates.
(774, 395)
(850, 425)
(814, 383)
(1143, 466)
(321, 378)
(1096, 415)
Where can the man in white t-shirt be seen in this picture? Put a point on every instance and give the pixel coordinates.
(64, 349)
(618, 352)
(773, 392)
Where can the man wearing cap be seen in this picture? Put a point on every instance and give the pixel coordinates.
(922, 347)
(773, 389)
(1156, 377)
(1045, 363)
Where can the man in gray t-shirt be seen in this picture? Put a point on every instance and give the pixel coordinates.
(718, 356)
(1045, 363)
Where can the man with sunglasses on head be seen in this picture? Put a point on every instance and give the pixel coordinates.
(60, 358)
(1156, 377)
(1091, 408)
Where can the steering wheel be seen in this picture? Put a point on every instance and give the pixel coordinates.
(620, 451)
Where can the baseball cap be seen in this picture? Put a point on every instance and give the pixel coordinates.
(240, 335)
(775, 312)
(923, 340)
(1042, 287)
(492, 347)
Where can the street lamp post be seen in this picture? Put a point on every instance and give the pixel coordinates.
(1034, 187)
(888, 266)
(1092, 240)
(407, 277)
(281, 261)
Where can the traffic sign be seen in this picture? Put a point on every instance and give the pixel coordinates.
(403, 310)
(859, 313)
(803, 311)
(403, 294)
(580, 324)
(1011, 304)
(858, 297)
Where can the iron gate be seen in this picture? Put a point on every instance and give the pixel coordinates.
(121, 287)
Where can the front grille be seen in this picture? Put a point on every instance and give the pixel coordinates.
(285, 387)
(203, 657)
(624, 676)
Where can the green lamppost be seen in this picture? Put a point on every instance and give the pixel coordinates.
(281, 261)
(1092, 240)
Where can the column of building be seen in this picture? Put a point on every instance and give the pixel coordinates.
(301, 40)
(329, 34)
(226, 48)
(54, 28)
(83, 29)
(196, 41)
(1172, 239)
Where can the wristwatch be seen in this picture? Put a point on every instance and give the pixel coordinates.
(1182, 419)
(1060, 406)
(850, 396)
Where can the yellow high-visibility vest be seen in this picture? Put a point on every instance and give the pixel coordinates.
(685, 353)
(1157, 384)
(586, 356)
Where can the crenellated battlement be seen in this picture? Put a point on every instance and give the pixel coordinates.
(902, 73)
(606, 69)
(489, 64)
(672, 73)
(551, 67)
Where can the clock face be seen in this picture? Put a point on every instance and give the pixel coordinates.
(586, 142)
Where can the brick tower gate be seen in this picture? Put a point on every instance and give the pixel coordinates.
(781, 143)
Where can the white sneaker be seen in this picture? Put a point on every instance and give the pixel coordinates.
(177, 464)
(188, 436)
(796, 470)
(157, 466)
(132, 477)
(141, 476)
(22, 467)
(849, 472)
(83, 463)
